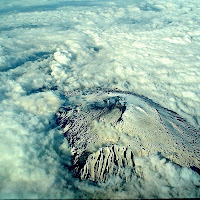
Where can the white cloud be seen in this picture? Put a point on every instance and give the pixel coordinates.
(148, 47)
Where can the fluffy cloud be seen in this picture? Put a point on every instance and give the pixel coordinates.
(50, 47)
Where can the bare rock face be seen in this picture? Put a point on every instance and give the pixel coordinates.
(106, 129)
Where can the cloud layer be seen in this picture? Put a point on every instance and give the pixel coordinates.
(48, 48)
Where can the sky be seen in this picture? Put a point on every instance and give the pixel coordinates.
(48, 48)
